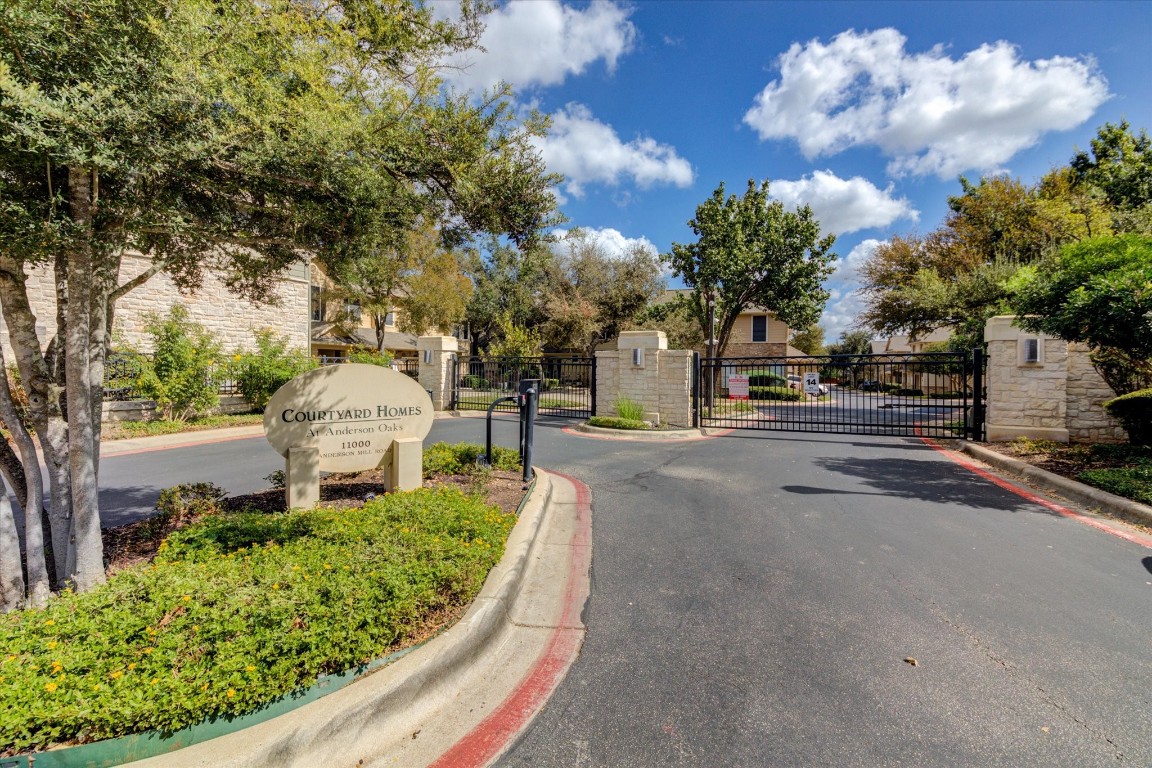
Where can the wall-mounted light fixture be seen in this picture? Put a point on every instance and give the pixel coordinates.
(428, 356)
(638, 356)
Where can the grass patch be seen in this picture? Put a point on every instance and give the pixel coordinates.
(617, 422)
(724, 408)
(118, 430)
(477, 401)
(238, 609)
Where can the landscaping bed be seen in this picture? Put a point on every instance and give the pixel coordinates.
(1124, 470)
(220, 605)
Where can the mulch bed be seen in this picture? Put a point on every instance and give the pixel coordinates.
(137, 542)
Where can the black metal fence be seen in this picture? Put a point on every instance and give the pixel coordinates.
(927, 394)
(567, 384)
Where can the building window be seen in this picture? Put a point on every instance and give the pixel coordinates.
(352, 309)
(317, 304)
(390, 318)
(759, 328)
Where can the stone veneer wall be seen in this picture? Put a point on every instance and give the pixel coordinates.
(230, 319)
(662, 383)
(1057, 397)
(1088, 422)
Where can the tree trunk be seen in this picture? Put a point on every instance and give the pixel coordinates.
(11, 578)
(39, 378)
(86, 553)
(29, 487)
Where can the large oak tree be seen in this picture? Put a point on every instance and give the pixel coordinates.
(752, 252)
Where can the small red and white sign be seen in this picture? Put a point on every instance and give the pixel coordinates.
(738, 387)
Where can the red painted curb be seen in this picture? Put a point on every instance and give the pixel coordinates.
(1134, 538)
(494, 734)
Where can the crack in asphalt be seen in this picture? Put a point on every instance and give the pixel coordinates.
(938, 612)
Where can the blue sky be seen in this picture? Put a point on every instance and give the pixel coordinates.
(867, 111)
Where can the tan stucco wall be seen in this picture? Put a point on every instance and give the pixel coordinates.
(231, 320)
(1056, 398)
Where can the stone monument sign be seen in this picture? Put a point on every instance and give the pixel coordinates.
(348, 418)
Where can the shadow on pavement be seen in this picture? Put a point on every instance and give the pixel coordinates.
(905, 478)
(1147, 563)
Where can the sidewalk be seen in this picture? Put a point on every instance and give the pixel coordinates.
(461, 699)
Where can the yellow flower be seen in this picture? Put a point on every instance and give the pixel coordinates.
(50, 687)
(276, 585)
(132, 665)
(51, 645)
(204, 687)
(50, 623)
(250, 668)
(96, 686)
(56, 667)
(327, 567)
(186, 598)
(148, 650)
(150, 631)
(155, 680)
(195, 627)
(231, 692)
(117, 675)
(295, 567)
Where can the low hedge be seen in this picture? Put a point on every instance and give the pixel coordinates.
(238, 610)
(1131, 482)
(1134, 411)
(617, 422)
(774, 393)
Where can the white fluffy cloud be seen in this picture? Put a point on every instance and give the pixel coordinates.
(542, 42)
(844, 205)
(931, 114)
(844, 303)
(586, 150)
(612, 241)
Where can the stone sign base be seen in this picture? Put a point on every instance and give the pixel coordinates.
(404, 458)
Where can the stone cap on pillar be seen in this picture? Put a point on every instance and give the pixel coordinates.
(438, 343)
(1004, 328)
(642, 340)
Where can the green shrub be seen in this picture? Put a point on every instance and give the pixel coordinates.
(463, 459)
(1132, 482)
(370, 356)
(238, 611)
(908, 392)
(179, 375)
(472, 381)
(185, 502)
(629, 410)
(774, 393)
(1135, 454)
(617, 422)
(1134, 412)
(548, 384)
(259, 374)
(766, 379)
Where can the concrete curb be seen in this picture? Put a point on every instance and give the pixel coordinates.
(643, 435)
(1078, 492)
(389, 700)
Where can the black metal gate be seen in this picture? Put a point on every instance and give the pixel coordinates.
(567, 384)
(931, 394)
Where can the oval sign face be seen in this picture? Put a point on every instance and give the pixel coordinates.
(351, 412)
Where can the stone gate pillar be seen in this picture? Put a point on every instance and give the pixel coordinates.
(436, 356)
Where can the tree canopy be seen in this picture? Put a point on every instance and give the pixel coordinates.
(239, 137)
(1097, 292)
(963, 272)
(750, 251)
